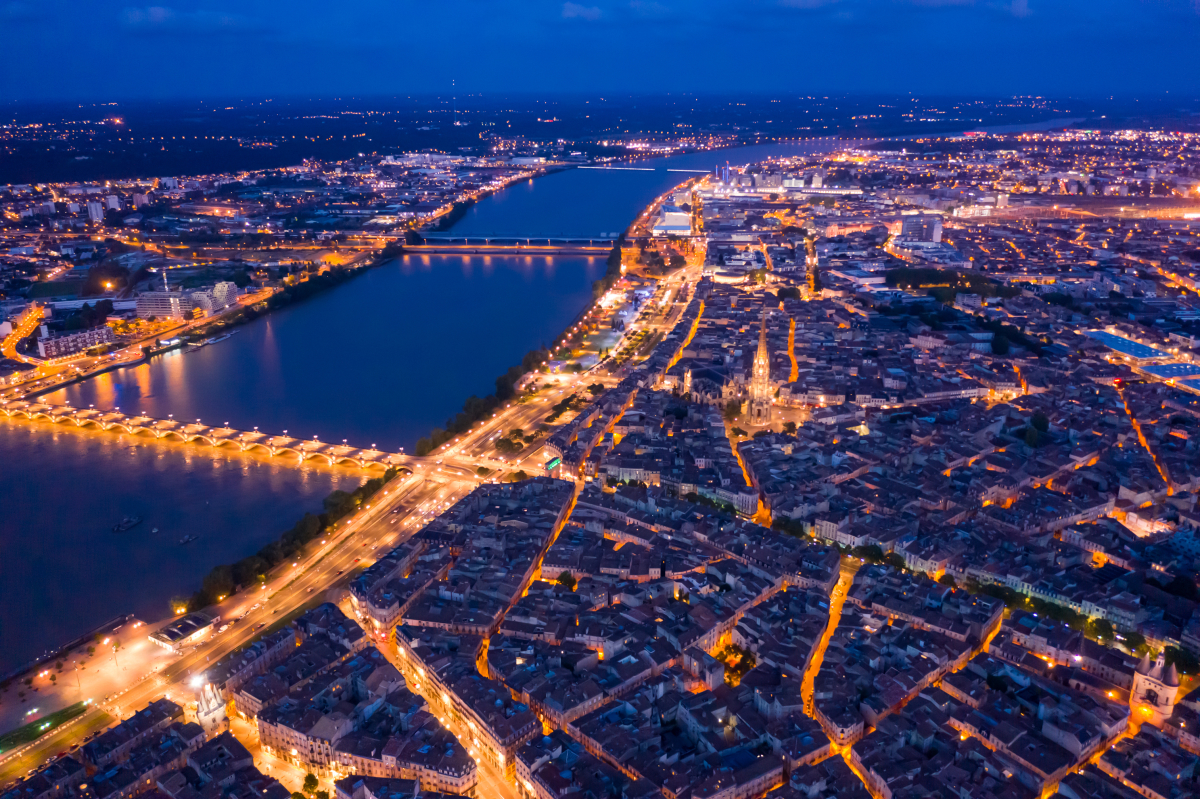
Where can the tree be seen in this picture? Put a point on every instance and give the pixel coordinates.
(737, 431)
(872, 553)
(1000, 345)
(566, 578)
(732, 410)
(1041, 422)
(948, 581)
(1099, 629)
(310, 782)
(1185, 662)
(789, 428)
(1031, 437)
(596, 389)
(1134, 641)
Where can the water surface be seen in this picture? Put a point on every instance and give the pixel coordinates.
(66, 571)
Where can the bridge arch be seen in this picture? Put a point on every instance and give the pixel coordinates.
(347, 459)
(166, 433)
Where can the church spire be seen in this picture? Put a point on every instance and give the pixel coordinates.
(760, 378)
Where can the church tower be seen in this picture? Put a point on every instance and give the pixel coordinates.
(811, 262)
(760, 380)
(1152, 696)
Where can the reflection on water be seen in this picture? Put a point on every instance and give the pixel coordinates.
(587, 203)
(380, 360)
(65, 488)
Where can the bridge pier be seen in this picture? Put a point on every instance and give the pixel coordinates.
(199, 434)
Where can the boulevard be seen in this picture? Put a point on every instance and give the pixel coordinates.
(402, 507)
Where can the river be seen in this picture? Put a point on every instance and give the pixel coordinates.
(66, 571)
(379, 361)
(589, 203)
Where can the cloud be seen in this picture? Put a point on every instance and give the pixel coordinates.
(159, 19)
(576, 11)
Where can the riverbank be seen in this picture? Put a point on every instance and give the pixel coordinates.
(75, 573)
(227, 579)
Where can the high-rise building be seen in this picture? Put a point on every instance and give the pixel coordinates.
(921, 227)
(112, 202)
(140, 200)
(760, 380)
(95, 212)
(216, 299)
(164, 305)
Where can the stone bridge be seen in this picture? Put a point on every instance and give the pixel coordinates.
(204, 435)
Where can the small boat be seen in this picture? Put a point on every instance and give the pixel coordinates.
(128, 523)
(187, 539)
(219, 339)
(154, 529)
(195, 345)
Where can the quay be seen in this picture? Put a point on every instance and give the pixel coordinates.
(202, 434)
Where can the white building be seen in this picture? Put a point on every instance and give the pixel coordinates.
(164, 305)
(58, 346)
(673, 220)
(216, 299)
(95, 212)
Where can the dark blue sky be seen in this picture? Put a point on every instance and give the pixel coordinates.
(109, 49)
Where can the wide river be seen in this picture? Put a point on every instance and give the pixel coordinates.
(380, 360)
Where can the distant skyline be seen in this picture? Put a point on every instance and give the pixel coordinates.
(106, 50)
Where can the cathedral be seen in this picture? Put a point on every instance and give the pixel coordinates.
(758, 411)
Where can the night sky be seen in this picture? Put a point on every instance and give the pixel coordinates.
(106, 49)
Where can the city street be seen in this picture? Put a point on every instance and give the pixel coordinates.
(402, 508)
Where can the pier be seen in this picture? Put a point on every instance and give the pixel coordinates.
(205, 435)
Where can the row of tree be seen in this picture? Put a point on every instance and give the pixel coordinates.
(475, 409)
(223, 580)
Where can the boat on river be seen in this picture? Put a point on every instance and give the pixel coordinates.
(187, 539)
(128, 523)
(219, 339)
